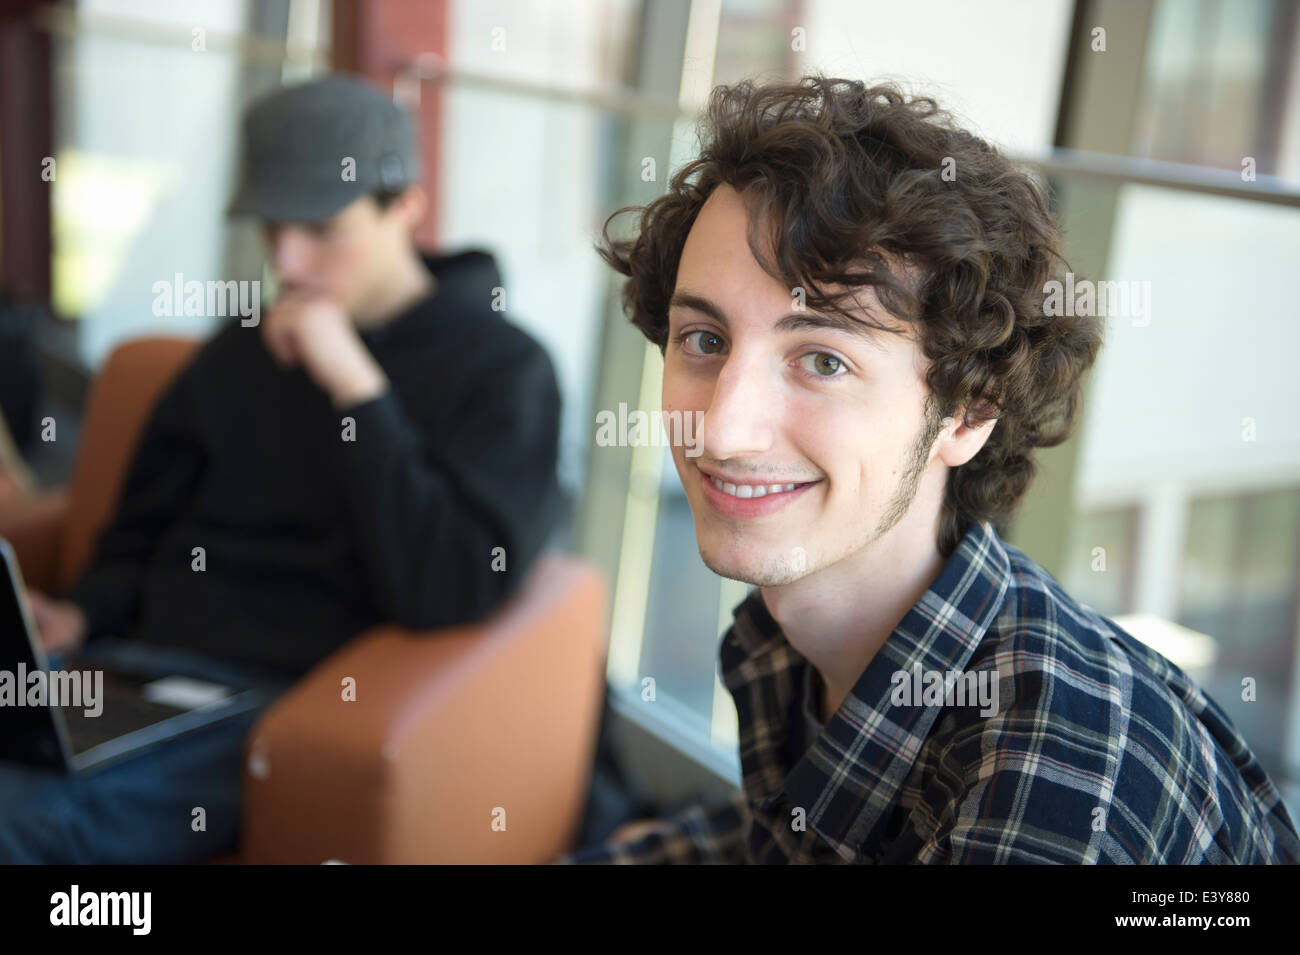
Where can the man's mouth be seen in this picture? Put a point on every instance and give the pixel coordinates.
(751, 499)
(752, 490)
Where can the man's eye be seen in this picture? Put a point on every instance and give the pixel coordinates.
(706, 342)
(823, 365)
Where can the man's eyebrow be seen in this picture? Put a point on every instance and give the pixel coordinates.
(795, 321)
(699, 303)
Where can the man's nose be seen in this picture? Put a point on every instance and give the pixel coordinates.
(745, 403)
(290, 253)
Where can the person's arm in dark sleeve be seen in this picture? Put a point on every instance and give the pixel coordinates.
(431, 494)
(159, 483)
(712, 834)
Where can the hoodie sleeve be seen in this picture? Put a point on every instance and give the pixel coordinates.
(450, 506)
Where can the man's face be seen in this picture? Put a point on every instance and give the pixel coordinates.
(345, 257)
(840, 415)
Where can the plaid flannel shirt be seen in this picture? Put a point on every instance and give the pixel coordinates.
(1100, 749)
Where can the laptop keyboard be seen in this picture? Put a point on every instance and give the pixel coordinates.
(124, 711)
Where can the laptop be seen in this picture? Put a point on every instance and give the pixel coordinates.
(87, 715)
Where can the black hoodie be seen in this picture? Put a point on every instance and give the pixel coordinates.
(308, 537)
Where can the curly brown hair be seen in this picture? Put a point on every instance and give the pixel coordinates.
(851, 178)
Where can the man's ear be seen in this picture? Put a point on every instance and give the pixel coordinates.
(411, 206)
(959, 442)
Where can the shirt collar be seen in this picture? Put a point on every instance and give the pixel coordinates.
(849, 778)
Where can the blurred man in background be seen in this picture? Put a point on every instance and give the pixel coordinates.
(380, 447)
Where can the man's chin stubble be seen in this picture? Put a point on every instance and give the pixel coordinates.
(779, 572)
(774, 573)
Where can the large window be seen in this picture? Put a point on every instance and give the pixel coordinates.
(1187, 459)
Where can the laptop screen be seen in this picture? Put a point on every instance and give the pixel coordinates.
(28, 733)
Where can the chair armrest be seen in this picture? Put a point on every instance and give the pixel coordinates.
(34, 526)
(450, 730)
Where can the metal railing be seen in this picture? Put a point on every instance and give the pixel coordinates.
(431, 68)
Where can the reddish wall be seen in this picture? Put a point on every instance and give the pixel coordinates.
(374, 39)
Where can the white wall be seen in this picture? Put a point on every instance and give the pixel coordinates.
(1168, 399)
(997, 64)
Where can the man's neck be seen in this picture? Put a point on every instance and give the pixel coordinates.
(840, 617)
(410, 284)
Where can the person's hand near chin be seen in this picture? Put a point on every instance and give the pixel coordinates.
(307, 328)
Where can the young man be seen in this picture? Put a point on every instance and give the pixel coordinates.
(357, 457)
(851, 291)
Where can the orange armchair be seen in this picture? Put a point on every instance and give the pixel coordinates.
(467, 744)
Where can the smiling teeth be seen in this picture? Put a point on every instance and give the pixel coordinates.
(750, 490)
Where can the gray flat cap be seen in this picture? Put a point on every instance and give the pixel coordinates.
(311, 149)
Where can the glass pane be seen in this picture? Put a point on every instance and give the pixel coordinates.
(144, 168)
(681, 648)
(1196, 387)
(1206, 87)
(753, 40)
(1209, 565)
(1100, 571)
(568, 43)
(1189, 419)
(1241, 568)
(527, 177)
